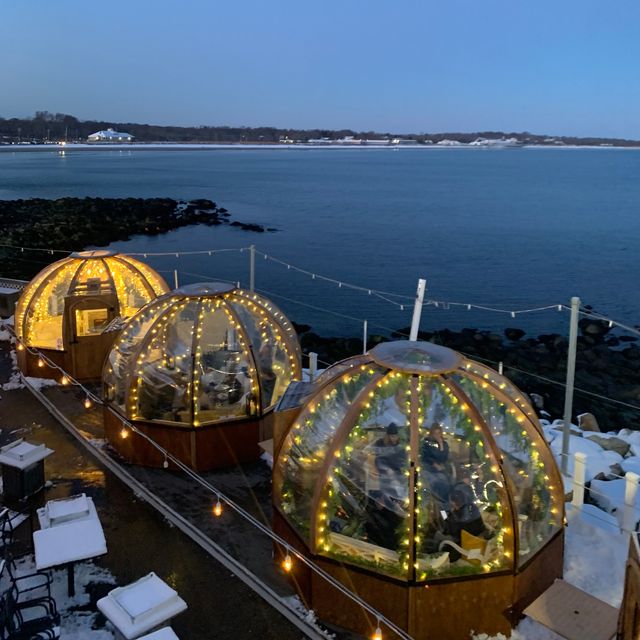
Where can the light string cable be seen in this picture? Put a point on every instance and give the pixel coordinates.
(179, 254)
(45, 250)
(384, 295)
(91, 396)
(444, 304)
(146, 254)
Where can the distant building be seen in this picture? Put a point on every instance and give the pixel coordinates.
(110, 136)
(404, 141)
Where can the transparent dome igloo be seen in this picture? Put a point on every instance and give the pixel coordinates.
(125, 282)
(200, 355)
(419, 464)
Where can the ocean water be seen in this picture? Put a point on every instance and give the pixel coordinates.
(514, 228)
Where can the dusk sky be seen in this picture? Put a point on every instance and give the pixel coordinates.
(570, 67)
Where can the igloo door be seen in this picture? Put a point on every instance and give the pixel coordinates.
(86, 338)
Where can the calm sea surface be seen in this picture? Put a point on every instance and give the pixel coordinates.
(512, 228)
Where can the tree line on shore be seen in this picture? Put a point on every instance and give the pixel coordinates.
(55, 127)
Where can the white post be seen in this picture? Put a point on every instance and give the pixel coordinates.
(630, 492)
(571, 373)
(313, 366)
(364, 337)
(579, 475)
(417, 309)
(175, 278)
(252, 267)
(500, 368)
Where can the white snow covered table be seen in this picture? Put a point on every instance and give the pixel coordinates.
(142, 606)
(71, 531)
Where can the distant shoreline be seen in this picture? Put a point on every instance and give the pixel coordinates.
(177, 146)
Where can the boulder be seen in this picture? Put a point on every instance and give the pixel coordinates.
(611, 444)
(514, 334)
(594, 327)
(588, 422)
(537, 400)
(616, 469)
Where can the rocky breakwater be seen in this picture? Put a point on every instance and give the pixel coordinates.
(607, 364)
(75, 223)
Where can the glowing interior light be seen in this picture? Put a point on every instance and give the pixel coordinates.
(124, 433)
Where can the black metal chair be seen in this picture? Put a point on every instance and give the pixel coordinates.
(33, 620)
(9, 523)
(29, 586)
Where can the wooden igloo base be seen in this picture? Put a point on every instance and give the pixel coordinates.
(202, 449)
(83, 360)
(446, 609)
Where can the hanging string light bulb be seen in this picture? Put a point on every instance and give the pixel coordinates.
(217, 509)
(377, 634)
(287, 563)
(165, 464)
(87, 403)
(40, 362)
(20, 346)
(124, 433)
(64, 380)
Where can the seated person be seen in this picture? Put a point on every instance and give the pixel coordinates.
(465, 484)
(463, 515)
(434, 450)
(389, 455)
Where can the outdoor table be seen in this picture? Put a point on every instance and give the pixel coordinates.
(71, 531)
(142, 606)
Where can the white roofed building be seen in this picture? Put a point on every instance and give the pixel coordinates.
(110, 136)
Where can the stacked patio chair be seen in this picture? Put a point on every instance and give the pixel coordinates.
(9, 523)
(29, 619)
(27, 586)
